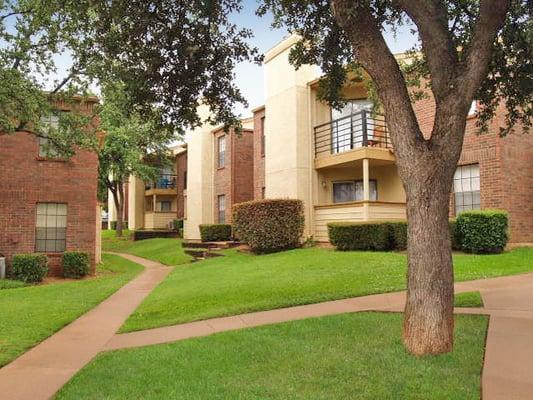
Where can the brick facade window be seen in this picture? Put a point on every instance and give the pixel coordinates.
(221, 209)
(185, 180)
(263, 189)
(353, 191)
(46, 149)
(466, 188)
(263, 136)
(221, 146)
(51, 227)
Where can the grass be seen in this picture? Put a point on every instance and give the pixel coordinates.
(241, 282)
(10, 284)
(165, 251)
(468, 299)
(350, 356)
(30, 314)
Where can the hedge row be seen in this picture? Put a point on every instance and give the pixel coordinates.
(473, 231)
(269, 225)
(215, 232)
(32, 268)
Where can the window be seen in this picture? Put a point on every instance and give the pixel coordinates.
(347, 125)
(51, 227)
(466, 188)
(164, 206)
(263, 192)
(353, 191)
(46, 149)
(221, 209)
(473, 108)
(185, 180)
(263, 136)
(221, 151)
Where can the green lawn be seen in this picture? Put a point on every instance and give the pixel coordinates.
(11, 284)
(241, 282)
(349, 356)
(468, 299)
(30, 314)
(166, 251)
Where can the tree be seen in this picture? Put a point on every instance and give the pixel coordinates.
(467, 50)
(129, 140)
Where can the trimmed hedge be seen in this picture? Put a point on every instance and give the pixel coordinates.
(360, 236)
(75, 264)
(29, 268)
(178, 224)
(269, 225)
(386, 235)
(482, 231)
(215, 232)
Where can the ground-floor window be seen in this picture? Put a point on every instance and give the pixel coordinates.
(221, 203)
(466, 188)
(164, 206)
(353, 191)
(51, 227)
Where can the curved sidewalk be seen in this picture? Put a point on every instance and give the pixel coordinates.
(508, 368)
(39, 373)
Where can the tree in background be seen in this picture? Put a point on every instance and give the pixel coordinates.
(129, 140)
(468, 49)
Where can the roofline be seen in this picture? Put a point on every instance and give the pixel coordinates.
(259, 108)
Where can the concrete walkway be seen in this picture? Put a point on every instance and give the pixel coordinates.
(39, 373)
(42, 371)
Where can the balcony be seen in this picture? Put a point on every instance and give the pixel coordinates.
(357, 136)
(164, 184)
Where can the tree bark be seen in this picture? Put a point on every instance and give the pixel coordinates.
(117, 191)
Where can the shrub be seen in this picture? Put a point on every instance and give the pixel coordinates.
(215, 232)
(398, 231)
(269, 225)
(29, 268)
(360, 235)
(482, 231)
(178, 224)
(75, 264)
(455, 236)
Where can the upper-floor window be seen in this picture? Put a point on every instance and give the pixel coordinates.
(46, 148)
(263, 136)
(347, 125)
(221, 209)
(185, 180)
(221, 146)
(51, 227)
(466, 188)
(353, 191)
(473, 108)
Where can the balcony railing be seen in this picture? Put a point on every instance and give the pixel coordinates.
(361, 129)
(164, 181)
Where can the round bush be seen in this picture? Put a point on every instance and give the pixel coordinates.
(29, 268)
(269, 225)
(75, 264)
(482, 231)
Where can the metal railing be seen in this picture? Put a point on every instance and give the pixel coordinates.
(164, 181)
(360, 129)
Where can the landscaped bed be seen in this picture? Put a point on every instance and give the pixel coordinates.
(30, 314)
(350, 356)
(163, 250)
(239, 283)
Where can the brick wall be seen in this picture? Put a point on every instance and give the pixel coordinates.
(181, 171)
(28, 180)
(259, 157)
(235, 179)
(505, 168)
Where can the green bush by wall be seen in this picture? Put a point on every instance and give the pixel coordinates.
(215, 232)
(269, 225)
(482, 231)
(29, 268)
(75, 264)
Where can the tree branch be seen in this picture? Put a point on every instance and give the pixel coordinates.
(431, 19)
(476, 62)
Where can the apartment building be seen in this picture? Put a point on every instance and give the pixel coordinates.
(48, 204)
(341, 163)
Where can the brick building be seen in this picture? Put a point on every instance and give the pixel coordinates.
(259, 152)
(48, 204)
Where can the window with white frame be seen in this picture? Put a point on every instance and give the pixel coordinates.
(353, 191)
(51, 228)
(473, 108)
(164, 206)
(46, 148)
(221, 146)
(347, 125)
(466, 188)
(221, 209)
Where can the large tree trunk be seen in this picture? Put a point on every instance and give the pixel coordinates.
(428, 323)
(120, 210)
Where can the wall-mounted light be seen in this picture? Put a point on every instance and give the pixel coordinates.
(324, 184)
